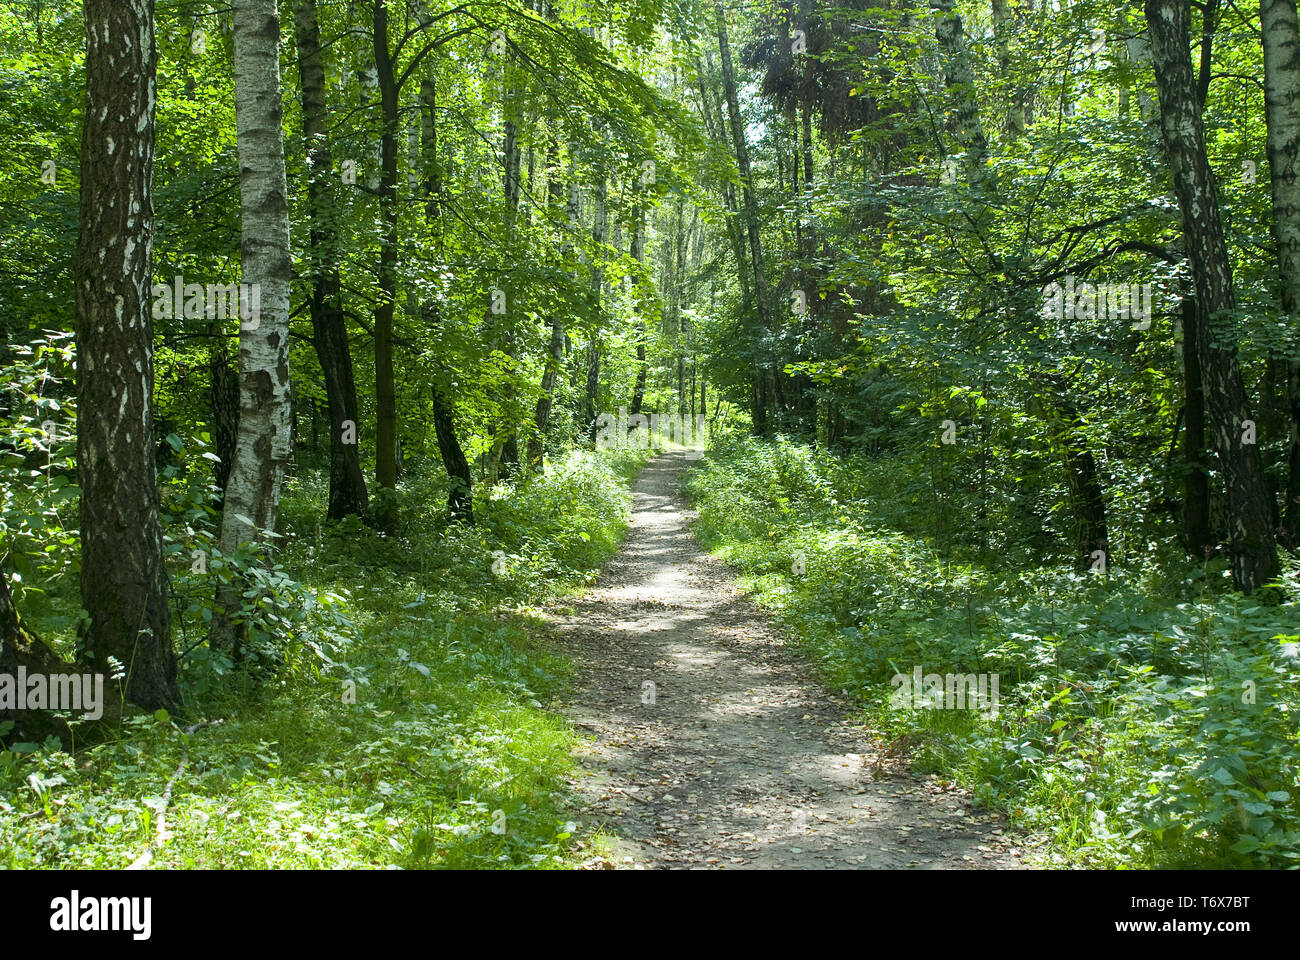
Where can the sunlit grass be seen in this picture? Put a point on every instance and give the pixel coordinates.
(1146, 718)
(427, 742)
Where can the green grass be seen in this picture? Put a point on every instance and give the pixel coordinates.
(449, 756)
(1147, 717)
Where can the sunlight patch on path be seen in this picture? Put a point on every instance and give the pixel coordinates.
(707, 745)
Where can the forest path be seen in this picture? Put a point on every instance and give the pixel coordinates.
(741, 760)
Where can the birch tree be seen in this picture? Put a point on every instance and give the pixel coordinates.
(1253, 548)
(766, 387)
(460, 495)
(1281, 39)
(347, 482)
(123, 580)
(262, 448)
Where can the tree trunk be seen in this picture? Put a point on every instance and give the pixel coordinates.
(385, 386)
(679, 321)
(1087, 498)
(347, 494)
(1254, 551)
(460, 496)
(19, 648)
(224, 425)
(600, 222)
(1196, 478)
(505, 448)
(509, 444)
(1003, 26)
(555, 349)
(262, 449)
(593, 387)
(959, 78)
(735, 233)
(1282, 115)
(123, 579)
(638, 254)
(766, 376)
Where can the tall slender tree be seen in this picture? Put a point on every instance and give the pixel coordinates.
(123, 580)
(599, 226)
(347, 494)
(638, 254)
(460, 496)
(765, 385)
(959, 78)
(1281, 38)
(555, 346)
(1254, 550)
(386, 457)
(263, 446)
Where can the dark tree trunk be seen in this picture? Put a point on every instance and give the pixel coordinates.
(225, 414)
(1254, 550)
(1196, 478)
(758, 405)
(386, 467)
(1291, 517)
(638, 387)
(546, 400)
(1083, 480)
(1089, 501)
(460, 498)
(19, 647)
(555, 349)
(347, 494)
(591, 396)
(123, 580)
(638, 254)
(765, 387)
(736, 234)
(1086, 494)
(593, 386)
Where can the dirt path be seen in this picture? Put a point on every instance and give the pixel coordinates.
(735, 757)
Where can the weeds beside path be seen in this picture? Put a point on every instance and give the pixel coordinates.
(706, 744)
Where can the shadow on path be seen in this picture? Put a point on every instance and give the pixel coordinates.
(705, 742)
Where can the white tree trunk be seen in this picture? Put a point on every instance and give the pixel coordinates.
(959, 78)
(1281, 36)
(262, 447)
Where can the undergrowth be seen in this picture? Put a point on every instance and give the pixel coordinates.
(393, 712)
(1146, 716)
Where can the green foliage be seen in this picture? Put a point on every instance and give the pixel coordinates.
(1147, 717)
(415, 735)
(1124, 726)
(38, 492)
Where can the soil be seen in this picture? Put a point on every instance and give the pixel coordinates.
(707, 744)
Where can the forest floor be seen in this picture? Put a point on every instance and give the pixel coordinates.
(735, 757)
